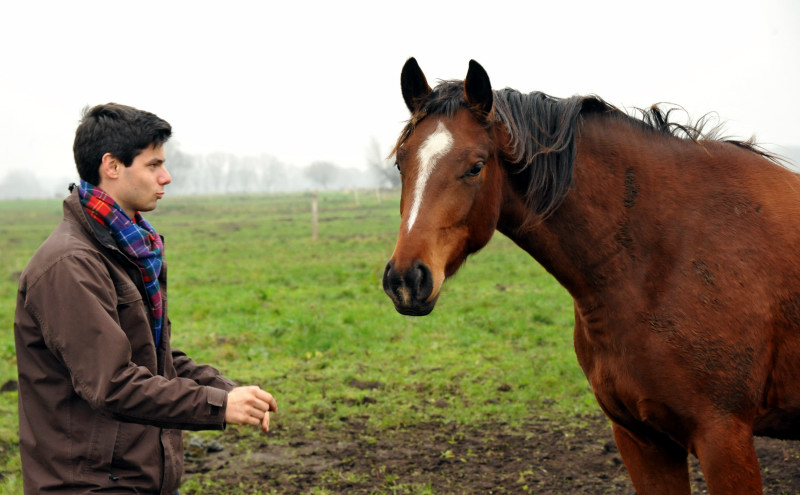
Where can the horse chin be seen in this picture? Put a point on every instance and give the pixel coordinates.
(422, 308)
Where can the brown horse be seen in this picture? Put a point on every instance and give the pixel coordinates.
(681, 253)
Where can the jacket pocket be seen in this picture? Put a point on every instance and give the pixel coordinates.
(138, 458)
(127, 293)
(99, 454)
(131, 308)
(172, 444)
(134, 319)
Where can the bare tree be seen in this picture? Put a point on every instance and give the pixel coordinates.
(182, 168)
(270, 172)
(21, 184)
(215, 170)
(322, 173)
(382, 167)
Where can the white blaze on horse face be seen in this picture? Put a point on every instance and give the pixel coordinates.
(432, 150)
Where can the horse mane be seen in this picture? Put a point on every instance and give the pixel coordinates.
(543, 129)
(542, 132)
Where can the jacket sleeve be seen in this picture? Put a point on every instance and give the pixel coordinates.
(201, 374)
(74, 302)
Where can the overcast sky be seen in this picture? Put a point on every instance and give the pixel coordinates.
(307, 81)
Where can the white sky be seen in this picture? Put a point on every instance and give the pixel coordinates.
(307, 81)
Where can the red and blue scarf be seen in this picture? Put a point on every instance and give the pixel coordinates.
(136, 238)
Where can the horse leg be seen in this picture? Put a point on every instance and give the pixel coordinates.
(655, 467)
(728, 459)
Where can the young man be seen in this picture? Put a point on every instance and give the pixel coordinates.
(102, 395)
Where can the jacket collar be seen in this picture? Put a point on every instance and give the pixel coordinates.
(74, 210)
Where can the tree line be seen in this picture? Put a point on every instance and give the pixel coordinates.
(229, 173)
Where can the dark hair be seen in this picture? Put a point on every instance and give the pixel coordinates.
(118, 129)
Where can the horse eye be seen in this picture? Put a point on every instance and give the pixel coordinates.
(397, 166)
(475, 170)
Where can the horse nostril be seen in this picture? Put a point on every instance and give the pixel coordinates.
(392, 281)
(409, 287)
(423, 281)
(416, 275)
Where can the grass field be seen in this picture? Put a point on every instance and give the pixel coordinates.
(252, 294)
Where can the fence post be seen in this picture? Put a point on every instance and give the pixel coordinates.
(314, 216)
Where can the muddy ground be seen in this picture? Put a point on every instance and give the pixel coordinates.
(541, 457)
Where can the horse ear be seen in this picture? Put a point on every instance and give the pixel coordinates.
(478, 88)
(413, 83)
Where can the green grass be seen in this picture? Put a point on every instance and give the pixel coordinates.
(252, 294)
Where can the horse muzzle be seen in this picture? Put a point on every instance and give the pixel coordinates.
(410, 290)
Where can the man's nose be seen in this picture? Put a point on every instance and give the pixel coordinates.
(166, 178)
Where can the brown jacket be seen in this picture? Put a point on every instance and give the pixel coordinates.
(100, 408)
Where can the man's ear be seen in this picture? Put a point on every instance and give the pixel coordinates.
(109, 167)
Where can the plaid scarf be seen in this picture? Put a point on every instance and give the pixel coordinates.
(137, 239)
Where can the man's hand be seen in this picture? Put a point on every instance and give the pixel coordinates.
(250, 406)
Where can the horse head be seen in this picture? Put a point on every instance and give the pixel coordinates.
(452, 180)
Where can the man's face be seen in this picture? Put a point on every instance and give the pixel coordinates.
(142, 184)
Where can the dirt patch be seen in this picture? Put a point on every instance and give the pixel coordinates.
(541, 457)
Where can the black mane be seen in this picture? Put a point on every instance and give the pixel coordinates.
(543, 131)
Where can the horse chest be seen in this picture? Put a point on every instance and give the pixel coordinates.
(601, 352)
(620, 363)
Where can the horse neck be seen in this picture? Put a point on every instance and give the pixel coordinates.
(586, 243)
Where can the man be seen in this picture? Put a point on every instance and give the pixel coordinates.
(102, 395)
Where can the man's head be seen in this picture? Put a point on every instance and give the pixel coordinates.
(119, 130)
(121, 150)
